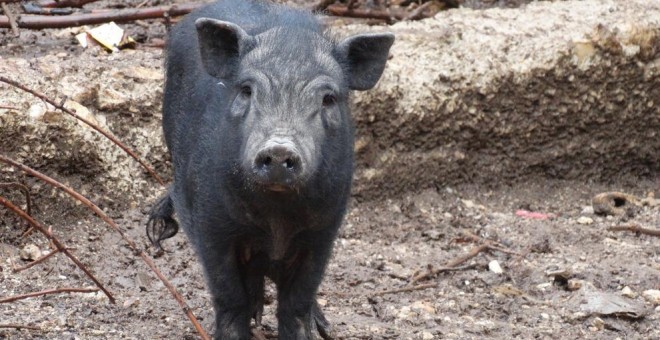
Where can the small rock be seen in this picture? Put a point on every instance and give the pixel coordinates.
(652, 295)
(30, 252)
(495, 267)
(422, 307)
(432, 234)
(37, 111)
(627, 292)
(598, 323)
(587, 210)
(131, 302)
(109, 99)
(574, 284)
(143, 281)
(322, 302)
(81, 111)
(427, 335)
(545, 316)
(468, 204)
(585, 220)
(544, 285)
(405, 313)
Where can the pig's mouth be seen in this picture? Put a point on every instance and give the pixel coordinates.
(279, 188)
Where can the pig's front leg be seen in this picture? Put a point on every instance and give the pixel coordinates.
(298, 313)
(231, 301)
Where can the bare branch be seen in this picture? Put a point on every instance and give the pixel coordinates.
(406, 289)
(635, 229)
(49, 291)
(11, 18)
(35, 262)
(99, 17)
(12, 325)
(342, 11)
(116, 228)
(63, 3)
(28, 199)
(56, 242)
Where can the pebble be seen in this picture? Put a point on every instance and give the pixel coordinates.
(423, 307)
(598, 323)
(585, 220)
(543, 286)
(652, 295)
(36, 111)
(468, 204)
(432, 234)
(495, 267)
(30, 252)
(427, 335)
(627, 292)
(574, 284)
(587, 210)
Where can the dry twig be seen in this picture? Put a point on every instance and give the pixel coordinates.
(13, 325)
(406, 289)
(417, 12)
(342, 11)
(636, 229)
(11, 18)
(322, 5)
(99, 17)
(31, 8)
(63, 3)
(18, 211)
(116, 228)
(485, 245)
(89, 123)
(35, 262)
(48, 291)
(453, 263)
(28, 199)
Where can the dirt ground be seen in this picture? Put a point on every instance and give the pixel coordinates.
(381, 246)
(562, 274)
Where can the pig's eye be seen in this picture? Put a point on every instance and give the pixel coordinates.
(329, 100)
(246, 91)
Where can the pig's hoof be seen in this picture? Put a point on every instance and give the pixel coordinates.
(322, 325)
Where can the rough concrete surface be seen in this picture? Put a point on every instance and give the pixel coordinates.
(564, 90)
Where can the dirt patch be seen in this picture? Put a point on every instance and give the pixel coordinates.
(406, 218)
(381, 246)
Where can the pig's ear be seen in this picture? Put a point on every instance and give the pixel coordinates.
(221, 44)
(365, 55)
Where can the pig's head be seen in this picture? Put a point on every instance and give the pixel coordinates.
(289, 95)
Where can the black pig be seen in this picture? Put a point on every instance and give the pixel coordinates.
(256, 119)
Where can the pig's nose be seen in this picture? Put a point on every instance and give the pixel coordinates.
(278, 166)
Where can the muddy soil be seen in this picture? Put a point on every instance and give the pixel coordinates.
(381, 247)
(554, 268)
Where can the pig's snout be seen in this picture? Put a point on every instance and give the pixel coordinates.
(278, 165)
